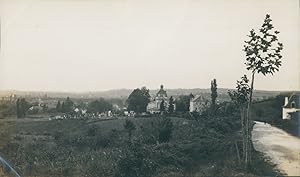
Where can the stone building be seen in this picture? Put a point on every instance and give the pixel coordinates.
(197, 103)
(154, 105)
(291, 106)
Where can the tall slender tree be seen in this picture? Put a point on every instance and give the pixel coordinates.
(162, 107)
(171, 107)
(240, 98)
(263, 56)
(214, 94)
(18, 108)
(58, 107)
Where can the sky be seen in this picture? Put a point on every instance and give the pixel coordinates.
(95, 45)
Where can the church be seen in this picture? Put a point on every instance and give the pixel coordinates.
(161, 96)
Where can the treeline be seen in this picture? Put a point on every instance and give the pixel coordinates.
(66, 106)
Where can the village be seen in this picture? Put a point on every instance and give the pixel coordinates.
(59, 112)
(78, 110)
(44, 104)
(149, 88)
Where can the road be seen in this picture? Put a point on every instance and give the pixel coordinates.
(282, 148)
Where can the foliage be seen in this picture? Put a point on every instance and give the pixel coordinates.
(214, 94)
(270, 111)
(138, 100)
(53, 148)
(171, 107)
(160, 130)
(263, 55)
(241, 95)
(182, 103)
(99, 106)
(92, 131)
(129, 127)
(263, 49)
(162, 107)
(240, 99)
(7, 109)
(165, 130)
(22, 107)
(67, 106)
(137, 161)
(58, 107)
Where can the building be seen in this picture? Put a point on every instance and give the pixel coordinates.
(197, 103)
(154, 105)
(9, 98)
(291, 106)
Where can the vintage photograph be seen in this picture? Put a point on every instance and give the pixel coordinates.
(149, 88)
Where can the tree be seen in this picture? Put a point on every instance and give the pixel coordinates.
(100, 105)
(58, 107)
(263, 55)
(240, 98)
(63, 107)
(165, 130)
(214, 94)
(183, 103)
(18, 109)
(22, 107)
(146, 93)
(162, 107)
(68, 104)
(129, 127)
(45, 107)
(171, 107)
(138, 100)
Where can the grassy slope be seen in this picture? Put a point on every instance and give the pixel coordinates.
(34, 141)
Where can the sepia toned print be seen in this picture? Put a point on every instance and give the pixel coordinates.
(126, 88)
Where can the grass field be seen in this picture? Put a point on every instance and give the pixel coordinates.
(96, 148)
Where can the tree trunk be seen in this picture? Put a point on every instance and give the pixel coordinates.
(244, 138)
(238, 153)
(248, 124)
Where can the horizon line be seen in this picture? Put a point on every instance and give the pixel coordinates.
(107, 90)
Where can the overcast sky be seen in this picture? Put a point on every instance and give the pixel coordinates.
(89, 45)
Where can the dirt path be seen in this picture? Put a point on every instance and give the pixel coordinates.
(282, 148)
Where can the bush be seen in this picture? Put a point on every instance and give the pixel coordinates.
(58, 135)
(92, 131)
(137, 162)
(129, 127)
(165, 130)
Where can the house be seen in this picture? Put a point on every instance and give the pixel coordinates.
(291, 106)
(10, 98)
(197, 103)
(161, 96)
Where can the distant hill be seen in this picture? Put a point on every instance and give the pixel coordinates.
(124, 93)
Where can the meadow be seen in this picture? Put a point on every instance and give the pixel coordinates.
(206, 146)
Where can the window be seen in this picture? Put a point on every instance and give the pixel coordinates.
(293, 104)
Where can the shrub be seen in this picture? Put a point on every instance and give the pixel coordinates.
(92, 131)
(165, 130)
(129, 127)
(136, 162)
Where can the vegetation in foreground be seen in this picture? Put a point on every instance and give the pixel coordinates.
(194, 145)
(139, 147)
